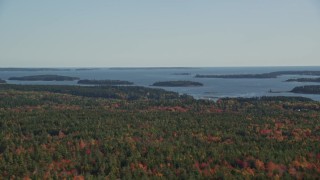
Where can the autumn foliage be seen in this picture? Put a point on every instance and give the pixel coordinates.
(64, 135)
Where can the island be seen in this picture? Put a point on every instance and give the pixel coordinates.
(304, 80)
(2, 81)
(104, 82)
(260, 76)
(44, 78)
(311, 89)
(183, 74)
(177, 84)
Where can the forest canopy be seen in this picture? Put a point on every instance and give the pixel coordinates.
(103, 132)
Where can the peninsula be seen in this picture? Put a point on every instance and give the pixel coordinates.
(177, 84)
(311, 89)
(44, 78)
(2, 81)
(304, 80)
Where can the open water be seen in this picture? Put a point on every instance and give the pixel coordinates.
(213, 88)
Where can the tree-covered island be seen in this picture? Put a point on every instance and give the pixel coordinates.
(44, 78)
(177, 84)
(2, 81)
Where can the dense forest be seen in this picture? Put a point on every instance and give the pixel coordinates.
(310, 89)
(109, 92)
(65, 132)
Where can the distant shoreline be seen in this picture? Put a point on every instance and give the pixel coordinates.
(44, 78)
(150, 68)
(259, 76)
(304, 80)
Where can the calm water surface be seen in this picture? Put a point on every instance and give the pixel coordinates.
(213, 87)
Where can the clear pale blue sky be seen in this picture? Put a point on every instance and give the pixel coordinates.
(84, 33)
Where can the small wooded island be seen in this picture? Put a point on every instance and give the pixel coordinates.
(182, 74)
(304, 80)
(2, 81)
(177, 84)
(44, 78)
(104, 82)
(261, 76)
(311, 89)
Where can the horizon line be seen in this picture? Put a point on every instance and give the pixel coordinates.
(128, 67)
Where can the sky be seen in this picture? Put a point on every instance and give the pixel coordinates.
(159, 33)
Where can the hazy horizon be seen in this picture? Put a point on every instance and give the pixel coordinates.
(175, 33)
(143, 67)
